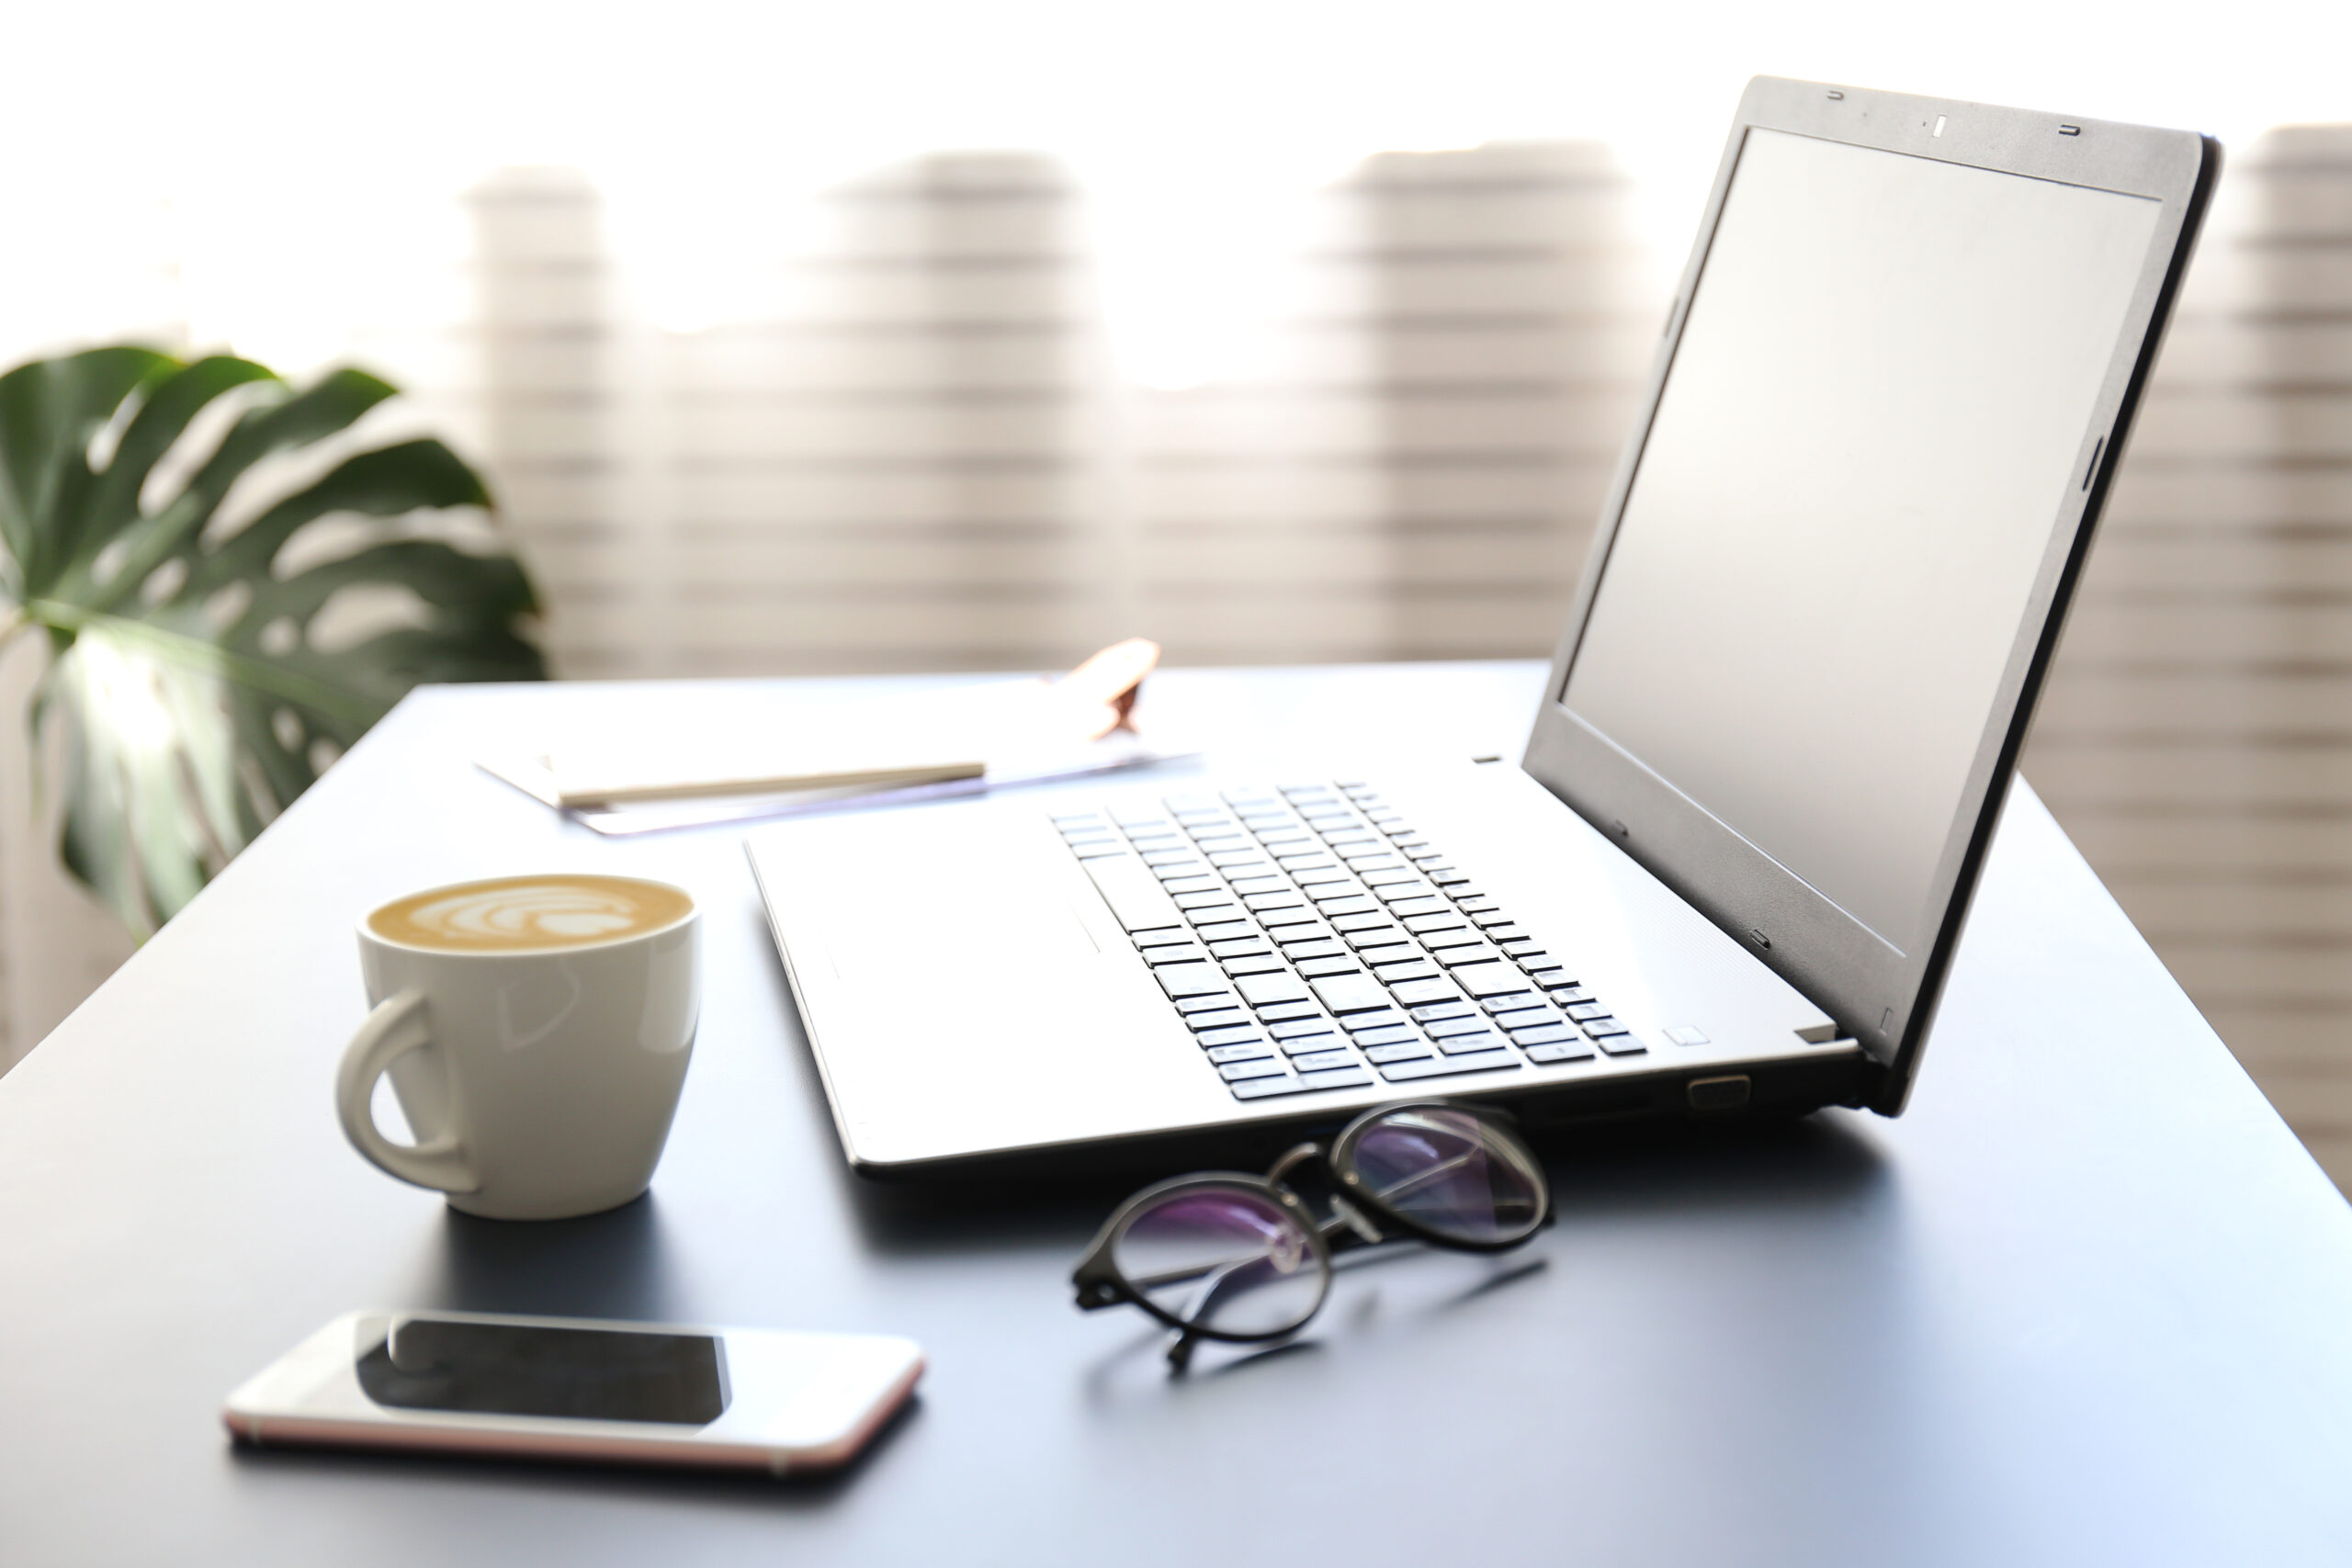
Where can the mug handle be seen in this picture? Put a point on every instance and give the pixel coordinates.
(391, 1032)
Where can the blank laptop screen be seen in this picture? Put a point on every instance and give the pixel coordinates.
(1872, 420)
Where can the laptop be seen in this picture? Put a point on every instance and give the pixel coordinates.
(1729, 873)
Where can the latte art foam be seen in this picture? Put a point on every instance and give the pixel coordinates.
(516, 913)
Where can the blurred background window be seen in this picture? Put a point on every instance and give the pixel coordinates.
(800, 339)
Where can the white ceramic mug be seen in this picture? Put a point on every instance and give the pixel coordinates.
(536, 1030)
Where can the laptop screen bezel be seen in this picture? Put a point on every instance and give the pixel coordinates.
(1880, 996)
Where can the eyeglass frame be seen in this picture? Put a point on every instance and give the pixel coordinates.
(1100, 1284)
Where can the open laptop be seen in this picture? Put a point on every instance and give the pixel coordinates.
(1730, 873)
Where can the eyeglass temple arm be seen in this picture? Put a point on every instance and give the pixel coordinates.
(1180, 1351)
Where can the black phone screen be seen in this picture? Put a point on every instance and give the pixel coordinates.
(508, 1368)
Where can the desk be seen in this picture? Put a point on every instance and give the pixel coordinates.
(2088, 1302)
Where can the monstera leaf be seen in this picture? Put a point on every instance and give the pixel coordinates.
(191, 697)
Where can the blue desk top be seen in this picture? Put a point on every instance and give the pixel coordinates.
(2087, 1300)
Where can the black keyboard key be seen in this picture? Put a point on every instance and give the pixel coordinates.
(1241, 1034)
(1222, 1017)
(1546, 1055)
(1217, 906)
(1345, 1077)
(1258, 1067)
(1260, 989)
(1548, 1034)
(1351, 992)
(1404, 1051)
(1189, 1005)
(1182, 980)
(1511, 1001)
(1496, 979)
(1420, 993)
(1266, 1089)
(1323, 1061)
(1255, 1051)
(1443, 1067)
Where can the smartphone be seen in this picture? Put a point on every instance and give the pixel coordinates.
(560, 1388)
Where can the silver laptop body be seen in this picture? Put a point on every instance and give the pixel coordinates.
(1730, 873)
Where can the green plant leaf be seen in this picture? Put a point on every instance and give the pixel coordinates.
(197, 682)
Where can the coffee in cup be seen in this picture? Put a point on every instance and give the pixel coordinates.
(536, 1030)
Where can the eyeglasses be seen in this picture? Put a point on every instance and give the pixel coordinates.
(1225, 1256)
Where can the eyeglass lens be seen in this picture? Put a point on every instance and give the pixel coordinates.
(1451, 1173)
(1224, 1259)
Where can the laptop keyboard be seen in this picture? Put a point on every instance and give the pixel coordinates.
(1311, 939)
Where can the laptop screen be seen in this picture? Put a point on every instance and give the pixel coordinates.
(1872, 421)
